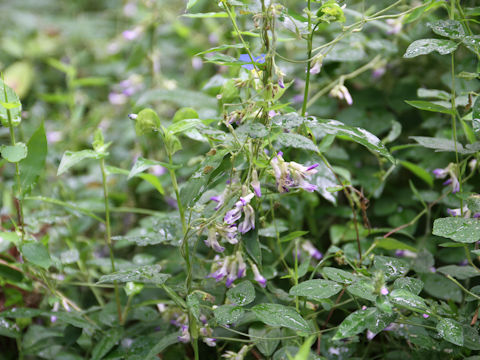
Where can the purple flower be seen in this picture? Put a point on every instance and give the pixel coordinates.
(232, 274)
(280, 83)
(453, 180)
(210, 341)
(246, 58)
(54, 136)
(242, 267)
(426, 316)
(256, 184)
(384, 291)
(378, 72)
(258, 277)
(370, 335)
(117, 99)
(312, 250)
(248, 222)
(222, 272)
(185, 337)
(132, 34)
(212, 242)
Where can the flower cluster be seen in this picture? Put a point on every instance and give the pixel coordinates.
(232, 268)
(181, 321)
(242, 206)
(452, 180)
(291, 175)
(341, 92)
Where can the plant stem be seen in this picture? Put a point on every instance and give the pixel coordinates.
(109, 235)
(18, 193)
(309, 63)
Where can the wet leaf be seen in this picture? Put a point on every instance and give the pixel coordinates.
(317, 289)
(426, 46)
(458, 229)
(391, 267)
(406, 299)
(280, 315)
(148, 274)
(228, 314)
(451, 331)
(242, 294)
(413, 285)
(448, 28)
(297, 141)
(354, 323)
(339, 275)
(356, 134)
(363, 288)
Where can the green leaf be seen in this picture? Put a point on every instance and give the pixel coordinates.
(473, 203)
(207, 15)
(184, 125)
(426, 46)
(71, 158)
(376, 321)
(363, 288)
(406, 299)
(353, 324)
(429, 106)
(255, 130)
(391, 267)
(147, 121)
(356, 134)
(148, 274)
(242, 294)
(393, 244)
(252, 244)
(438, 144)
(280, 316)
(448, 28)
(293, 235)
(317, 289)
(228, 314)
(418, 171)
(459, 272)
(476, 115)
(338, 275)
(143, 164)
(458, 229)
(150, 178)
(34, 164)
(14, 153)
(304, 351)
(191, 3)
(9, 329)
(158, 348)
(296, 141)
(413, 285)
(15, 111)
(451, 331)
(106, 343)
(260, 335)
(440, 287)
(37, 254)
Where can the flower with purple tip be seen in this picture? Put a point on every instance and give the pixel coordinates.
(212, 241)
(259, 278)
(256, 184)
(384, 291)
(312, 250)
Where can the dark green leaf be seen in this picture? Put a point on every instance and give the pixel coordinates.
(242, 294)
(37, 254)
(451, 331)
(297, 141)
(339, 275)
(406, 299)
(448, 28)
(280, 316)
(34, 164)
(228, 314)
(429, 106)
(353, 324)
(391, 267)
(459, 272)
(413, 285)
(426, 46)
(317, 289)
(458, 229)
(260, 336)
(148, 274)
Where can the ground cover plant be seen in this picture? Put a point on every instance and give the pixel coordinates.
(239, 179)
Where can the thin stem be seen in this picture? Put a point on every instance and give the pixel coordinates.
(108, 238)
(309, 63)
(18, 184)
